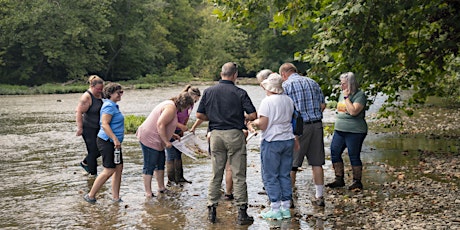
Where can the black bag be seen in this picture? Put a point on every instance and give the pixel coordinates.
(297, 123)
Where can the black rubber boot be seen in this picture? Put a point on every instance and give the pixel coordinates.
(357, 174)
(180, 172)
(170, 170)
(339, 171)
(243, 218)
(212, 214)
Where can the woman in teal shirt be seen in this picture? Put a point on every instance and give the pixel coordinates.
(109, 139)
(349, 131)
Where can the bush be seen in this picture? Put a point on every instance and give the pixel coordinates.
(132, 122)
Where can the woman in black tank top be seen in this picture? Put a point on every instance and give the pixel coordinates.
(87, 119)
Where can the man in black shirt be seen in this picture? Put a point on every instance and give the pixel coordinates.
(227, 108)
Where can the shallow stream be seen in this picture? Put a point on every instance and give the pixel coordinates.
(42, 184)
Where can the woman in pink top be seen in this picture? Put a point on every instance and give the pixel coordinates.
(155, 135)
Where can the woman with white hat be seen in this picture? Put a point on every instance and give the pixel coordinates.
(277, 145)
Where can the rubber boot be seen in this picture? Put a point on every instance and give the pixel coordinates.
(180, 172)
(243, 218)
(212, 214)
(170, 170)
(339, 172)
(357, 174)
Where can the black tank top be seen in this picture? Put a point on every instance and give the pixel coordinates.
(92, 116)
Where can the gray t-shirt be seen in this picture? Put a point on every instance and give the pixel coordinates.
(348, 123)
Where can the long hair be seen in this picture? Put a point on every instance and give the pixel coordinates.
(194, 91)
(352, 83)
(183, 101)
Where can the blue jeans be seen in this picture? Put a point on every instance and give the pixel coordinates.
(153, 160)
(276, 159)
(352, 141)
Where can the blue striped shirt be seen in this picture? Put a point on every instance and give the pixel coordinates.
(307, 96)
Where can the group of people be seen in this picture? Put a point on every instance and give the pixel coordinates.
(230, 112)
(101, 123)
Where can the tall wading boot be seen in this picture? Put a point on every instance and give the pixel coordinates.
(339, 172)
(212, 214)
(180, 172)
(243, 218)
(170, 170)
(357, 174)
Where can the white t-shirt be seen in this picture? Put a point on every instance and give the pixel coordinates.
(278, 108)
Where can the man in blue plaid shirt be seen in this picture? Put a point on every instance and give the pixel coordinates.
(309, 101)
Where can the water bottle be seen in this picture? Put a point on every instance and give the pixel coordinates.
(117, 156)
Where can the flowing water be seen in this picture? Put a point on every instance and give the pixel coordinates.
(42, 184)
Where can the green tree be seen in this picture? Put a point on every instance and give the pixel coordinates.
(45, 41)
(393, 46)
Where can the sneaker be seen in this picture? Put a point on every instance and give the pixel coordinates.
(119, 200)
(273, 215)
(286, 213)
(228, 197)
(318, 201)
(89, 199)
(84, 166)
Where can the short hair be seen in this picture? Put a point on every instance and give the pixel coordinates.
(263, 74)
(110, 89)
(287, 68)
(352, 83)
(95, 80)
(229, 68)
(183, 101)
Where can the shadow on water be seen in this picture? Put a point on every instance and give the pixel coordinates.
(43, 184)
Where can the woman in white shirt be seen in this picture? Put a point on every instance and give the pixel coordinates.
(277, 146)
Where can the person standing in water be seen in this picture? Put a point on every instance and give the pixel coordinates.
(227, 108)
(155, 135)
(109, 139)
(87, 119)
(174, 167)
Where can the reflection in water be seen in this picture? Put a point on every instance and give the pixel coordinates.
(43, 185)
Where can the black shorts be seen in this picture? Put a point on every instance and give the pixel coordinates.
(106, 148)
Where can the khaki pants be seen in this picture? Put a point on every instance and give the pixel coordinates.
(228, 145)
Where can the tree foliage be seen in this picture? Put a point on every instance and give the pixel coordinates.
(57, 41)
(393, 46)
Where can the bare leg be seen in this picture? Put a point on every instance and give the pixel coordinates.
(318, 175)
(160, 176)
(100, 180)
(116, 182)
(147, 184)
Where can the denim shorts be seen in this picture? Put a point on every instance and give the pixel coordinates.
(153, 160)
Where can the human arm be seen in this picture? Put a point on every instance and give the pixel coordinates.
(167, 115)
(251, 116)
(202, 116)
(196, 124)
(83, 105)
(353, 108)
(105, 124)
(261, 122)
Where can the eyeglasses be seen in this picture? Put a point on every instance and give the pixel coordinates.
(120, 92)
